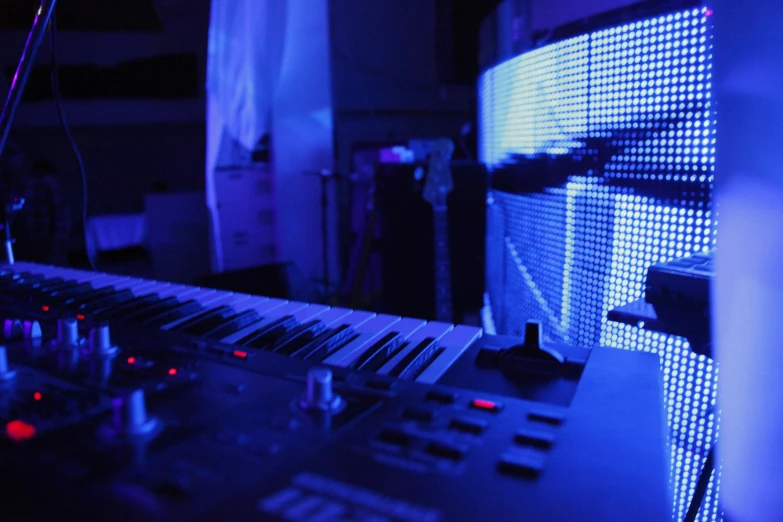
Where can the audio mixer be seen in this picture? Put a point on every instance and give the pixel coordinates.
(125, 399)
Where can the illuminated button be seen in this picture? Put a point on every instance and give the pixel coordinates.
(172, 371)
(521, 464)
(19, 431)
(539, 439)
(443, 397)
(464, 425)
(239, 354)
(447, 451)
(547, 417)
(485, 405)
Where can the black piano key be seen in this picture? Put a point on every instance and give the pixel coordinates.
(298, 337)
(147, 313)
(205, 321)
(238, 322)
(118, 309)
(119, 297)
(268, 332)
(61, 297)
(327, 343)
(380, 352)
(417, 359)
(85, 298)
(23, 284)
(185, 309)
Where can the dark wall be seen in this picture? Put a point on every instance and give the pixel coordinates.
(122, 164)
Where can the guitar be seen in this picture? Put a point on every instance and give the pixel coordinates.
(436, 189)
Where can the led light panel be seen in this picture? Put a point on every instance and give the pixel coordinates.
(634, 100)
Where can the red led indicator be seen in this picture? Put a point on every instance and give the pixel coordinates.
(131, 360)
(240, 354)
(37, 396)
(19, 431)
(484, 404)
(80, 317)
(172, 371)
(45, 308)
(708, 12)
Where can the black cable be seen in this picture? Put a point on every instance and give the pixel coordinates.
(55, 81)
(701, 486)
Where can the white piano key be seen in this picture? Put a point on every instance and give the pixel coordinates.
(433, 329)
(406, 327)
(180, 292)
(333, 315)
(369, 332)
(454, 344)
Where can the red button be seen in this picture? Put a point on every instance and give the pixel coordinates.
(240, 354)
(19, 431)
(482, 404)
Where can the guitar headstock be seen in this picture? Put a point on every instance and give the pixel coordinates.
(439, 182)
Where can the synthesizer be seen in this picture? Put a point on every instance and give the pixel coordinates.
(120, 404)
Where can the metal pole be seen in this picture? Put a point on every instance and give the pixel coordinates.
(18, 82)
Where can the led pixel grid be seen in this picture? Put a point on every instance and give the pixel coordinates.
(630, 108)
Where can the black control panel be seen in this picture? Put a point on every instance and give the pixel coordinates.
(124, 421)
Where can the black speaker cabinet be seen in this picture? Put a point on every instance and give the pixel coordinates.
(406, 239)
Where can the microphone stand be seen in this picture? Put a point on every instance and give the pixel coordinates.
(10, 205)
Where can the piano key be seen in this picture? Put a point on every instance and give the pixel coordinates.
(270, 310)
(118, 297)
(210, 301)
(139, 316)
(139, 303)
(379, 353)
(185, 309)
(267, 335)
(417, 359)
(326, 343)
(368, 332)
(208, 316)
(234, 324)
(454, 345)
(434, 329)
(300, 337)
(297, 337)
(339, 334)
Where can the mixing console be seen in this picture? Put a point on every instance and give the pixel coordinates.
(124, 399)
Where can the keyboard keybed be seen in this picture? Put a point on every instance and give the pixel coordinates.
(387, 345)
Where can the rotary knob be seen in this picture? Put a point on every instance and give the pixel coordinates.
(31, 330)
(319, 395)
(130, 420)
(12, 329)
(6, 374)
(68, 333)
(100, 341)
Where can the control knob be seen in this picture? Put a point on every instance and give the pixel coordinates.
(320, 396)
(6, 374)
(100, 342)
(68, 333)
(12, 329)
(31, 330)
(130, 419)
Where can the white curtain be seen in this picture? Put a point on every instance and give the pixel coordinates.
(245, 52)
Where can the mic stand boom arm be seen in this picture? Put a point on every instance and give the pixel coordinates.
(9, 206)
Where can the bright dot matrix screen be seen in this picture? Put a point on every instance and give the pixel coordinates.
(634, 100)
